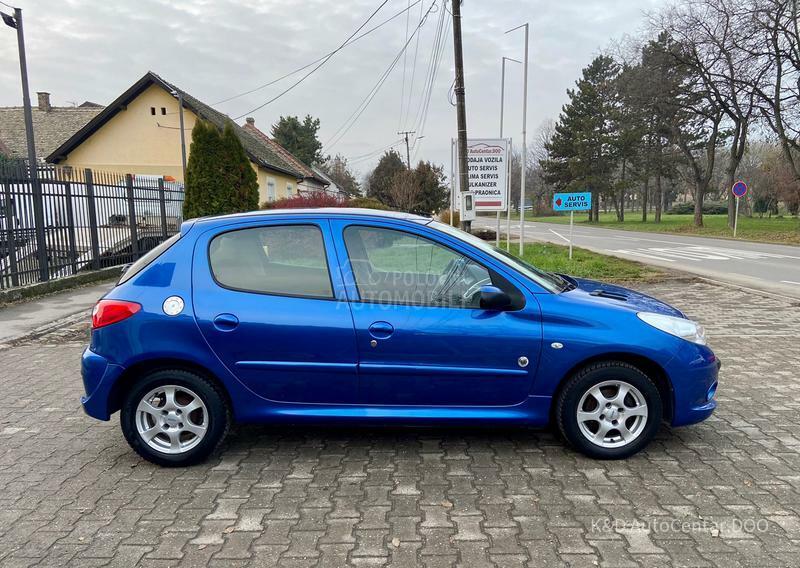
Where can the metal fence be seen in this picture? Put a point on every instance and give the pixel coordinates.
(86, 220)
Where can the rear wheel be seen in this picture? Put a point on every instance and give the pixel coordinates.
(174, 418)
(609, 410)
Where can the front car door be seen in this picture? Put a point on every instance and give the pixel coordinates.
(422, 337)
(269, 300)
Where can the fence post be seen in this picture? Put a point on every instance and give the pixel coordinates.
(11, 244)
(93, 231)
(162, 201)
(73, 250)
(132, 218)
(39, 222)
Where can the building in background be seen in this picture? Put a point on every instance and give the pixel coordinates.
(311, 183)
(139, 133)
(52, 126)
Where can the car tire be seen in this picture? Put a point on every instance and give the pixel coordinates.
(612, 424)
(174, 418)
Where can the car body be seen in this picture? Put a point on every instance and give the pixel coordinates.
(334, 315)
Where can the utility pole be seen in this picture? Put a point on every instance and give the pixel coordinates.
(524, 141)
(38, 206)
(461, 112)
(405, 134)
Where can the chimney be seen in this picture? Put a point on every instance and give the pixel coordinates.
(44, 101)
(251, 121)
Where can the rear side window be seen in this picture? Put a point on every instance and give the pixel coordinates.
(140, 264)
(284, 260)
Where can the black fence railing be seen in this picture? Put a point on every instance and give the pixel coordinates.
(87, 220)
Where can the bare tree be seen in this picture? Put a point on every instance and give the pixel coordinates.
(404, 191)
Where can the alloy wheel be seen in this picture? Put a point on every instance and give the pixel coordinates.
(172, 419)
(612, 414)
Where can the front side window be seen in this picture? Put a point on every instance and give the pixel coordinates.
(286, 260)
(402, 268)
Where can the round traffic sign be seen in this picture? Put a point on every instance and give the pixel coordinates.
(739, 189)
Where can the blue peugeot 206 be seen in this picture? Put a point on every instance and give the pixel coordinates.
(348, 315)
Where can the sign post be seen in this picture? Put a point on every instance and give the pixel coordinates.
(739, 190)
(572, 202)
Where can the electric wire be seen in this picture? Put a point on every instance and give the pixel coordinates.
(317, 67)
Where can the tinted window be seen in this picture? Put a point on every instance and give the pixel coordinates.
(287, 260)
(401, 268)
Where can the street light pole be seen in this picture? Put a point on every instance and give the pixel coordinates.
(183, 136)
(38, 209)
(524, 141)
(508, 193)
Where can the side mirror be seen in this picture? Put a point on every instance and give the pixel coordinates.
(493, 298)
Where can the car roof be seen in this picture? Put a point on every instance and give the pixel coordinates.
(315, 212)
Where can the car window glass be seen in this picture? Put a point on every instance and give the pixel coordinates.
(287, 260)
(401, 268)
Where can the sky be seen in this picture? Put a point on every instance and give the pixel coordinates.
(82, 50)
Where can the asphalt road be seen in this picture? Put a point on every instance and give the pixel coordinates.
(763, 266)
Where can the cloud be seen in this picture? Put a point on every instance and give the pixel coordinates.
(92, 50)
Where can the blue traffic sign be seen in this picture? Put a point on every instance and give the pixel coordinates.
(572, 201)
(739, 189)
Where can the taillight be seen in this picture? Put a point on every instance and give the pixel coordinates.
(107, 312)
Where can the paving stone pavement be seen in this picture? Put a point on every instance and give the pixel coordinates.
(722, 493)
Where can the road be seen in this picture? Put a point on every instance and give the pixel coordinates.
(763, 266)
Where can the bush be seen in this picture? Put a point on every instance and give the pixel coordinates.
(444, 217)
(709, 208)
(304, 201)
(367, 203)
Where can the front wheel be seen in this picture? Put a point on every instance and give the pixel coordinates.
(609, 410)
(174, 418)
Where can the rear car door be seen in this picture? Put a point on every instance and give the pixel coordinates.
(269, 299)
(422, 337)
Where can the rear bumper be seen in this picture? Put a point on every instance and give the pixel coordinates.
(99, 377)
(695, 389)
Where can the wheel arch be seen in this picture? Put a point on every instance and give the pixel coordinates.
(646, 365)
(148, 366)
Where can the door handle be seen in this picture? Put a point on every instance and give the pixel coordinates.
(226, 322)
(381, 330)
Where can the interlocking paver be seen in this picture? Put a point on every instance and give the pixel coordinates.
(722, 493)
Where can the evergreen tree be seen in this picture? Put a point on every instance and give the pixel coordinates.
(300, 138)
(219, 176)
(433, 191)
(379, 182)
(581, 153)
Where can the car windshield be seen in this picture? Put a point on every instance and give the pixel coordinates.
(547, 280)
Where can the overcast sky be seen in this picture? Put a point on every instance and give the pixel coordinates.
(93, 50)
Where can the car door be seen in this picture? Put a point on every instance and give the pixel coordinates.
(269, 300)
(422, 337)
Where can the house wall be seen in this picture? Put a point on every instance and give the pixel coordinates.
(135, 141)
(282, 184)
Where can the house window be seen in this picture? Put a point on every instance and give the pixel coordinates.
(153, 111)
(271, 189)
(164, 111)
(289, 189)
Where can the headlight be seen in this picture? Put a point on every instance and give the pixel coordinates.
(679, 327)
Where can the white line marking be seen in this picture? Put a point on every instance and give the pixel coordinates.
(643, 255)
(558, 235)
(790, 282)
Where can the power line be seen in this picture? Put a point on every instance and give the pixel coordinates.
(323, 62)
(353, 118)
(374, 153)
(405, 57)
(413, 71)
(306, 66)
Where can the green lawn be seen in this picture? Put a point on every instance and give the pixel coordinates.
(585, 264)
(775, 230)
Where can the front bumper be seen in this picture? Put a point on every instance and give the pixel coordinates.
(695, 388)
(99, 377)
